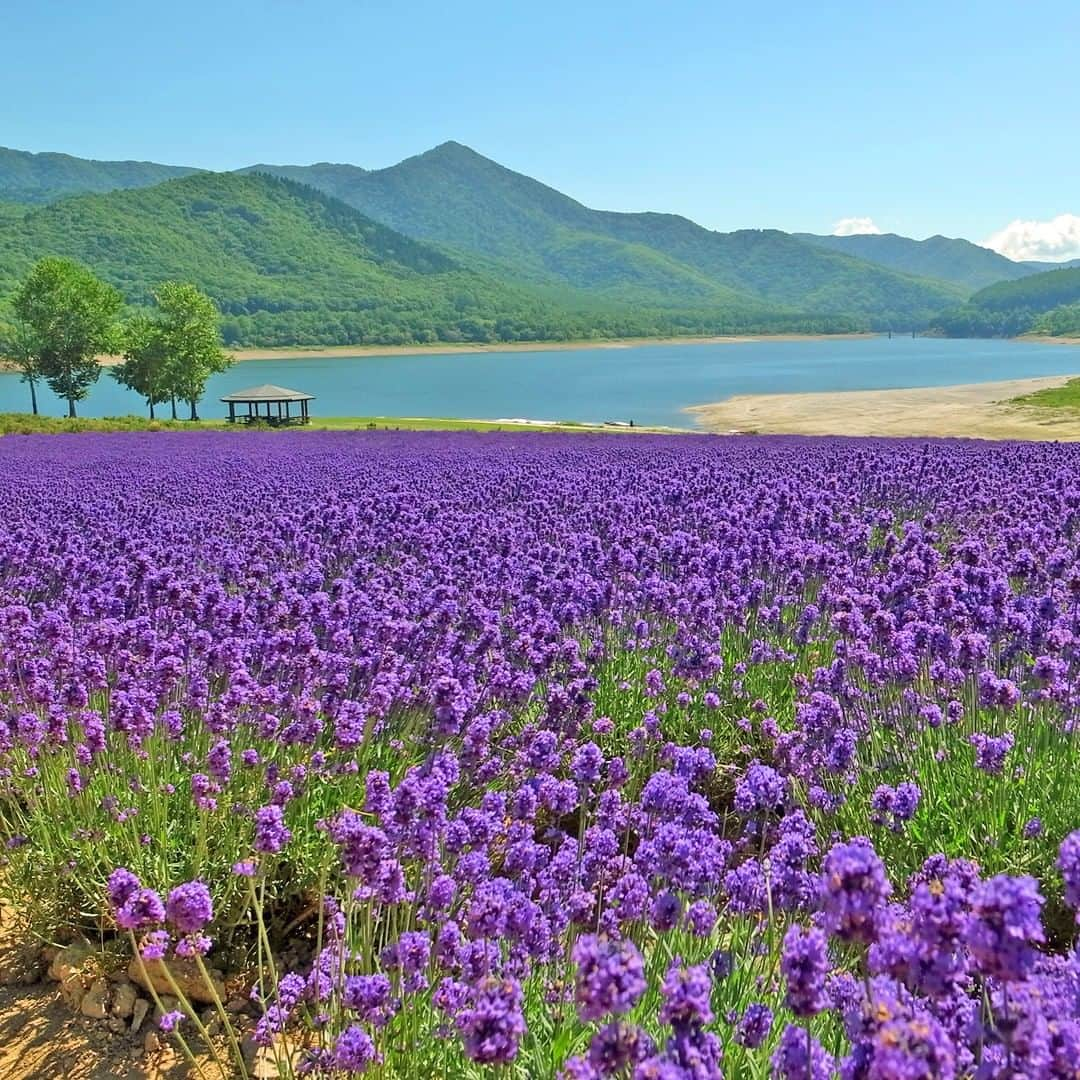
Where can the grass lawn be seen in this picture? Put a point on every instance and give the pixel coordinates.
(27, 424)
(1054, 397)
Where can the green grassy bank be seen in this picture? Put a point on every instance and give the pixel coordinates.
(28, 424)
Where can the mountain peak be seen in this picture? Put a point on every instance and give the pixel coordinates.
(451, 146)
(452, 153)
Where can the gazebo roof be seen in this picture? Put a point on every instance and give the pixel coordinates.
(267, 392)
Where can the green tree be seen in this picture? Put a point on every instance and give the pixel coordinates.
(70, 316)
(145, 368)
(19, 347)
(188, 325)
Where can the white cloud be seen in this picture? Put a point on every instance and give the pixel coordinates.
(854, 226)
(1053, 240)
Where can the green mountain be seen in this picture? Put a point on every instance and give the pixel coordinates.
(959, 261)
(518, 227)
(287, 264)
(1042, 303)
(43, 178)
(494, 255)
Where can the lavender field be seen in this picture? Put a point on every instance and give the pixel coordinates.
(538, 756)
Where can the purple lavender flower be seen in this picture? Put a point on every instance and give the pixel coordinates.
(913, 1047)
(1068, 863)
(370, 997)
(754, 1025)
(854, 890)
(189, 907)
(990, 751)
(122, 885)
(895, 807)
(800, 1057)
(686, 992)
(492, 1024)
(804, 963)
(354, 1051)
(701, 918)
(610, 976)
(1004, 926)
(587, 763)
(170, 1021)
(155, 945)
(271, 835)
(219, 762)
(760, 789)
(665, 911)
(142, 909)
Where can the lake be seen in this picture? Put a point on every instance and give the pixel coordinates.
(650, 384)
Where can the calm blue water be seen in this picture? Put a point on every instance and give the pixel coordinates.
(650, 384)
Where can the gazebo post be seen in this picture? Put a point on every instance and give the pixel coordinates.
(232, 412)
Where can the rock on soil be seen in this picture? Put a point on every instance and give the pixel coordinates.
(124, 999)
(185, 974)
(95, 1002)
(43, 1038)
(138, 1014)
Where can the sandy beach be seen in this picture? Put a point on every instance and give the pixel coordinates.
(1045, 339)
(448, 348)
(977, 410)
(444, 348)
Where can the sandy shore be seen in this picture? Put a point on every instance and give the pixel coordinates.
(449, 349)
(1042, 339)
(446, 348)
(978, 410)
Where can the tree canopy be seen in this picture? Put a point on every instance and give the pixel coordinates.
(170, 354)
(144, 367)
(1042, 303)
(18, 347)
(68, 318)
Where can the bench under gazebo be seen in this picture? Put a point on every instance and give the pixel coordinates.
(269, 404)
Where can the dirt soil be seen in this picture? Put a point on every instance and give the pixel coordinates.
(978, 410)
(43, 1038)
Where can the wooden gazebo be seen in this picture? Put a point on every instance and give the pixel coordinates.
(278, 402)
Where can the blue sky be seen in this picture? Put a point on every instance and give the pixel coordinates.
(948, 117)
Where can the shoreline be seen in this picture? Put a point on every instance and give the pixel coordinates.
(444, 348)
(969, 410)
(450, 348)
(1046, 339)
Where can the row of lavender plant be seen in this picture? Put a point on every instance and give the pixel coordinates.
(593, 757)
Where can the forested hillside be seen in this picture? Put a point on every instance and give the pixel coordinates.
(43, 178)
(1044, 303)
(450, 246)
(457, 198)
(286, 264)
(959, 261)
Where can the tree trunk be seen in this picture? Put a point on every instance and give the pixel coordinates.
(71, 408)
(194, 411)
(33, 395)
(173, 399)
(151, 401)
